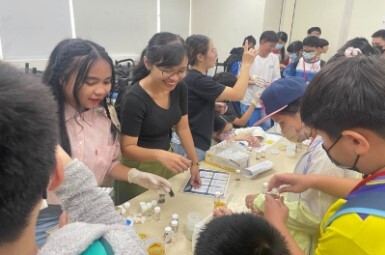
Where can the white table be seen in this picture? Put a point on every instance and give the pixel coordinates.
(184, 203)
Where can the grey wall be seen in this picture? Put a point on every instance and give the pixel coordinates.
(175, 16)
(123, 27)
(30, 29)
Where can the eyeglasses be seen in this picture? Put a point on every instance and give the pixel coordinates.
(167, 74)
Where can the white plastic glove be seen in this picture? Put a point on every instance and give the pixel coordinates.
(255, 101)
(259, 81)
(149, 181)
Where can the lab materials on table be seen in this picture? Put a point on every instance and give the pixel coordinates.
(212, 181)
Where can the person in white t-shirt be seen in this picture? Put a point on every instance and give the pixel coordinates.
(263, 71)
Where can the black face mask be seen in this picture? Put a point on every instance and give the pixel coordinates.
(354, 168)
(378, 47)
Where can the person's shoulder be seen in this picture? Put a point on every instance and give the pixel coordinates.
(195, 77)
(273, 56)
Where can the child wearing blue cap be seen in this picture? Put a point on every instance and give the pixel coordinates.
(282, 102)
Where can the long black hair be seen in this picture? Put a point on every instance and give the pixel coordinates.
(165, 50)
(74, 57)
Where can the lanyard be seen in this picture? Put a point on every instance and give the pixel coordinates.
(304, 69)
(311, 148)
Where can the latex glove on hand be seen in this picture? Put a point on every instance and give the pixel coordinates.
(149, 181)
(258, 80)
(255, 101)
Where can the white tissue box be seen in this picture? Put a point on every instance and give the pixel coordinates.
(228, 155)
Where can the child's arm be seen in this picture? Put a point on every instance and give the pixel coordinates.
(82, 200)
(335, 186)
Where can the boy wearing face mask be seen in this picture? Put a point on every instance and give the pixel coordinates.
(282, 102)
(295, 52)
(309, 64)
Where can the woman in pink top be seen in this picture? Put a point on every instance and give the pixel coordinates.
(81, 75)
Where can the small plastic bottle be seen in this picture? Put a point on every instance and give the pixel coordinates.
(174, 226)
(264, 187)
(156, 215)
(175, 217)
(142, 209)
(217, 200)
(291, 150)
(258, 155)
(238, 175)
(167, 237)
(154, 203)
(149, 209)
(162, 198)
(263, 153)
(127, 206)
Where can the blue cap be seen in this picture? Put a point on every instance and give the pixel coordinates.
(279, 94)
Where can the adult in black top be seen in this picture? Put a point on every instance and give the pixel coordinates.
(150, 122)
(203, 91)
(155, 103)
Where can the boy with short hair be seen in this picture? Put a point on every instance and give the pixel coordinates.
(263, 71)
(344, 104)
(29, 164)
(309, 64)
(314, 31)
(240, 234)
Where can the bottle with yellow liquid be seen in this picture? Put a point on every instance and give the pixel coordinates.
(217, 200)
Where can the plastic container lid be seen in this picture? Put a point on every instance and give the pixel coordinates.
(174, 223)
(167, 229)
(128, 221)
(157, 209)
(238, 171)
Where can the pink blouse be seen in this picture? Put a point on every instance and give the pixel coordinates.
(91, 141)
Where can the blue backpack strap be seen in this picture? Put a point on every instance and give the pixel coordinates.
(362, 202)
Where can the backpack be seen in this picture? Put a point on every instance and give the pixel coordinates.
(235, 56)
(123, 73)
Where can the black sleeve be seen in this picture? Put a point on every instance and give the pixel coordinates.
(207, 88)
(133, 111)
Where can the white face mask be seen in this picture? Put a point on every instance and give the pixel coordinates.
(308, 55)
(279, 46)
(296, 136)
